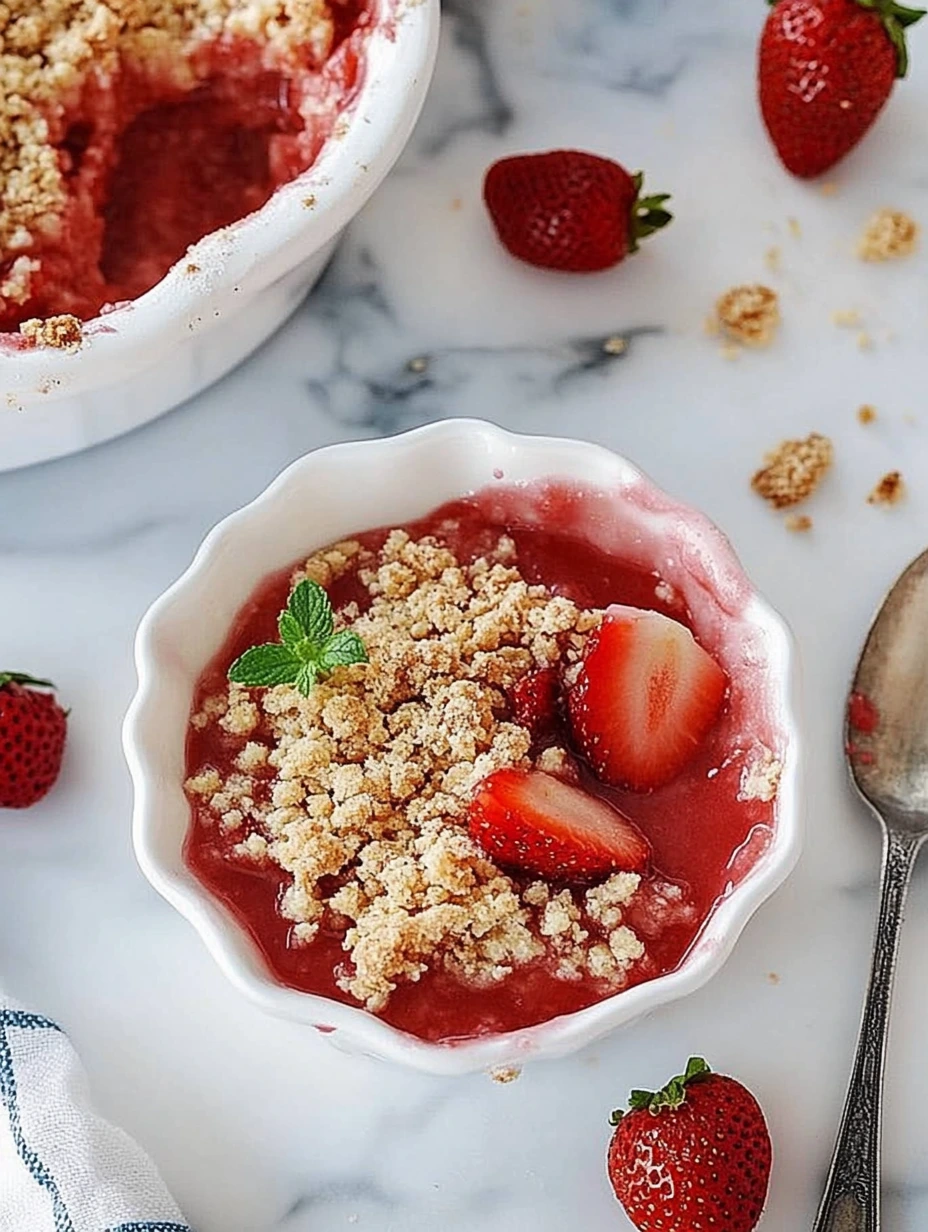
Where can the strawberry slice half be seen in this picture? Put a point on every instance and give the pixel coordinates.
(543, 825)
(645, 699)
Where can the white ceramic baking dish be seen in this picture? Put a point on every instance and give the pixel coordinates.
(234, 287)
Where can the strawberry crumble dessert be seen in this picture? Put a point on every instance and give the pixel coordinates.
(472, 774)
(129, 130)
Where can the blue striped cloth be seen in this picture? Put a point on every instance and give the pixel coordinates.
(62, 1167)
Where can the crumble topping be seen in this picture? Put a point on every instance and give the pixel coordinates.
(760, 778)
(889, 491)
(65, 333)
(360, 791)
(794, 470)
(48, 49)
(749, 314)
(888, 235)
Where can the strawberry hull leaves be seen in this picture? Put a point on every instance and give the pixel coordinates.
(670, 1096)
(308, 651)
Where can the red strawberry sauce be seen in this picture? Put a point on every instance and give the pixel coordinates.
(696, 824)
(152, 165)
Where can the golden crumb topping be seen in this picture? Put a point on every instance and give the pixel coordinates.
(47, 48)
(367, 781)
(866, 414)
(793, 470)
(799, 523)
(749, 314)
(889, 491)
(889, 234)
(64, 333)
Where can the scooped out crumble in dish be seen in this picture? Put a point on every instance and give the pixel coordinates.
(476, 774)
(130, 129)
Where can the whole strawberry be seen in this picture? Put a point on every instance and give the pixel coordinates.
(695, 1155)
(33, 728)
(825, 72)
(567, 210)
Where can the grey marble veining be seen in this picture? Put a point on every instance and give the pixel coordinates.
(258, 1126)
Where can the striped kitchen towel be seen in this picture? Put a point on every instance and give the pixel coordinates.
(62, 1167)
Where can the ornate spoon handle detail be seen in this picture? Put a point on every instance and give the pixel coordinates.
(852, 1194)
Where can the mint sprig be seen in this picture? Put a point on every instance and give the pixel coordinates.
(308, 651)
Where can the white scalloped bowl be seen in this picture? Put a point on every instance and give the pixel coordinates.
(346, 488)
(234, 287)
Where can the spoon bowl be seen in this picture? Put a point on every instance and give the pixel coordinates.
(887, 715)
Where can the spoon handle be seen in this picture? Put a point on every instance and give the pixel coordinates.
(852, 1194)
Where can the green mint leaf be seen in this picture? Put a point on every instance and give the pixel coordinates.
(342, 649)
(306, 678)
(309, 605)
(264, 666)
(291, 634)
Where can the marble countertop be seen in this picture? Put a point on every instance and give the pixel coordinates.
(259, 1125)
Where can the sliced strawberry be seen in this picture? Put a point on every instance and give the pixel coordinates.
(645, 699)
(543, 825)
(534, 700)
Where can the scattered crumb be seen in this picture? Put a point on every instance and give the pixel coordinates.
(505, 1073)
(456, 204)
(192, 268)
(888, 235)
(909, 419)
(799, 522)
(729, 351)
(309, 202)
(794, 470)
(418, 364)
(889, 491)
(749, 314)
(615, 345)
(829, 188)
(864, 341)
(795, 229)
(847, 318)
(866, 414)
(64, 333)
(773, 978)
(772, 259)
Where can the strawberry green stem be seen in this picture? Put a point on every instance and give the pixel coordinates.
(648, 213)
(22, 678)
(672, 1096)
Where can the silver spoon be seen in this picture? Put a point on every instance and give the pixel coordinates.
(887, 748)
